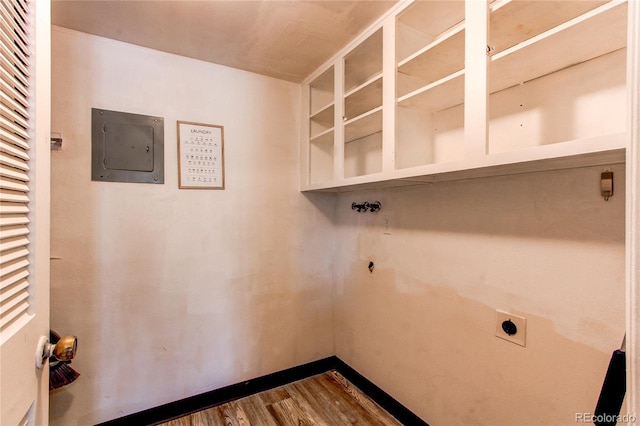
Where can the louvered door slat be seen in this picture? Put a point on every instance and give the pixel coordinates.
(13, 231)
(14, 185)
(9, 256)
(10, 291)
(13, 208)
(13, 105)
(18, 132)
(15, 144)
(13, 51)
(15, 13)
(11, 115)
(9, 312)
(12, 137)
(13, 196)
(11, 243)
(12, 279)
(13, 219)
(12, 267)
(12, 173)
(8, 147)
(11, 69)
(13, 25)
(11, 161)
(9, 86)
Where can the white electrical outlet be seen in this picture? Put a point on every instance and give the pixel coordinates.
(511, 327)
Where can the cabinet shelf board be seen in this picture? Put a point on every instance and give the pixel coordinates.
(324, 83)
(367, 97)
(374, 78)
(363, 125)
(325, 137)
(432, 18)
(440, 58)
(544, 54)
(437, 96)
(512, 22)
(324, 115)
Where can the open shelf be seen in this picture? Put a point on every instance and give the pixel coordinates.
(513, 22)
(321, 160)
(322, 127)
(575, 103)
(555, 94)
(438, 95)
(321, 122)
(443, 57)
(430, 77)
(322, 92)
(363, 125)
(324, 137)
(364, 156)
(423, 22)
(364, 98)
(571, 43)
(364, 62)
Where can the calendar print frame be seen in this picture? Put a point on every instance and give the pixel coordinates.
(200, 156)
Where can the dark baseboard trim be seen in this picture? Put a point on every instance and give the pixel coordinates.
(383, 399)
(215, 397)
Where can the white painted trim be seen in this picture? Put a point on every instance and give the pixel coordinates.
(338, 121)
(389, 93)
(476, 79)
(633, 211)
(41, 192)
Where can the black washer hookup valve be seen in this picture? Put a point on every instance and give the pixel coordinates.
(366, 206)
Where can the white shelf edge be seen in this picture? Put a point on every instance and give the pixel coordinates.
(561, 155)
(362, 137)
(314, 138)
(558, 29)
(431, 86)
(362, 116)
(443, 37)
(499, 4)
(321, 110)
(374, 78)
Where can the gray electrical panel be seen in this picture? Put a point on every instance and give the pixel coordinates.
(126, 147)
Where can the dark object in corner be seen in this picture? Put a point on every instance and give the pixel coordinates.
(613, 390)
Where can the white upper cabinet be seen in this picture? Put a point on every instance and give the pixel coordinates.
(439, 90)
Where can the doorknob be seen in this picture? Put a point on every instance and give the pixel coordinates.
(63, 350)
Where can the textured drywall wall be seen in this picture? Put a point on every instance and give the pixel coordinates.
(545, 246)
(175, 292)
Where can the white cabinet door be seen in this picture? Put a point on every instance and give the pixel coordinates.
(24, 208)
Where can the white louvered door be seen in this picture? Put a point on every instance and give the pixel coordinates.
(24, 208)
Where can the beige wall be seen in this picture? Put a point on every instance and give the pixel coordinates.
(175, 292)
(545, 246)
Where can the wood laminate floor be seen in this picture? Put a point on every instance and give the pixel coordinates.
(327, 399)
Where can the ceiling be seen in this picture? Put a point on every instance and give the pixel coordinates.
(285, 39)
